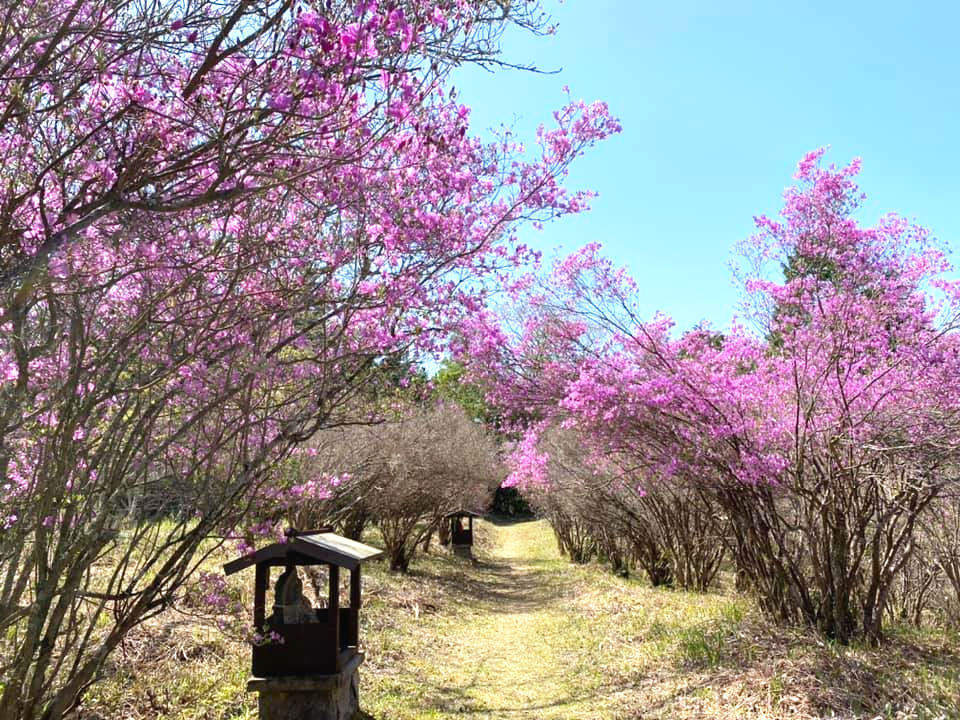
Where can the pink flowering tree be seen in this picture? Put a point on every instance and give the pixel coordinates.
(217, 222)
(112, 107)
(823, 436)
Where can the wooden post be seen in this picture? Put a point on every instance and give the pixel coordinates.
(355, 588)
(333, 601)
(333, 611)
(260, 582)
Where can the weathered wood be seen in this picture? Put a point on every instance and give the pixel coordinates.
(260, 583)
(333, 600)
(320, 547)
(460, 535)
(271, 551)
(355, 589)
(333, 609)
(463, 513)
(313, 641)
(308, 649)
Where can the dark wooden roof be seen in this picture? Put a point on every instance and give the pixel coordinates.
(463, 513)
(321, 547)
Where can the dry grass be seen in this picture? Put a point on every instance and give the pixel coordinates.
(523, 634)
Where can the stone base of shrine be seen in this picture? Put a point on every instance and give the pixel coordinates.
(312, 697)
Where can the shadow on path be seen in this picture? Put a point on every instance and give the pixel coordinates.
(505, 579)
(503, 658)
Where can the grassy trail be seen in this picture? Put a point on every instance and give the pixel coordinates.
(511, 658)
(515, 649)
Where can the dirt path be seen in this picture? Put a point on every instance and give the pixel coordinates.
(515, 651)
(509, 645)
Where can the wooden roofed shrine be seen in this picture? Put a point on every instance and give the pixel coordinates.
(301, 639)
(461, 534)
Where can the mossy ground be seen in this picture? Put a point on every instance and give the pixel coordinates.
(521, 633)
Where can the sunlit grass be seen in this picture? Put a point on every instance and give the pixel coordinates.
(524, 634)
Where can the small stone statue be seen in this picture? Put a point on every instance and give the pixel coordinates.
(290, 606)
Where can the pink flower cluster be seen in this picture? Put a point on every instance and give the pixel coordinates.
(858, 345)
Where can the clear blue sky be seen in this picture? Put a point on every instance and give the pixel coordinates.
(718, 101)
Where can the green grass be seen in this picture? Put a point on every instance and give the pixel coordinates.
(523, 634)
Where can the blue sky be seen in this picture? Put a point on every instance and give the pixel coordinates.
(718, 101)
